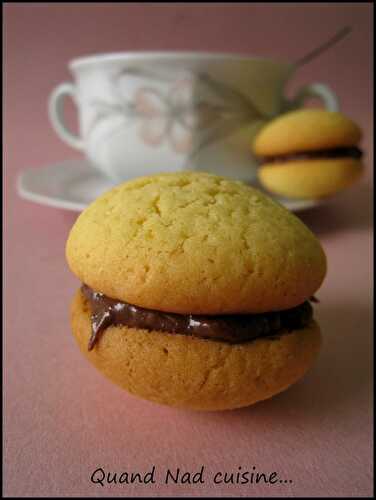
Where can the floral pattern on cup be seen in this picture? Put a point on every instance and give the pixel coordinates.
(194, 112)
(167, 118)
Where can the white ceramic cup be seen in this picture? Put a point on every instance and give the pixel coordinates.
(141, 113)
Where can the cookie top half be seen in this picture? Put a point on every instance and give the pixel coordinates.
(306, 130)
(195, 243)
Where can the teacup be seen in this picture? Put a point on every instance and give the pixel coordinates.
(146, 112)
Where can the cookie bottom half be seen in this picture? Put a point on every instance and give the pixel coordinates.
(194, 373)
(310, 178)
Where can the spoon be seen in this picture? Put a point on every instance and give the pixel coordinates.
(324, 47)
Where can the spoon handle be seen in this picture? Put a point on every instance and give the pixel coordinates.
(325, 46)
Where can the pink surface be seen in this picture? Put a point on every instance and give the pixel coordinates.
(62, 419)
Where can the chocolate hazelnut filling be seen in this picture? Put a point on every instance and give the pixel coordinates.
(234, 328)
(350, 152)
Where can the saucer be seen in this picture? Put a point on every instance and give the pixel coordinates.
(74, 184)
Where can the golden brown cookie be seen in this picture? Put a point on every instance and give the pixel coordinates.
(188, 252)
(309, 153)
(195, 243)
(310, 178)
(194, 373)
(306, 130)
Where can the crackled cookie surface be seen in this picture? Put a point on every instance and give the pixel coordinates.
(195, 243)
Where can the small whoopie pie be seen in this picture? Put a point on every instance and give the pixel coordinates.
(196, 290)
(308, 153)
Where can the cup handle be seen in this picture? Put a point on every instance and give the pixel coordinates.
(320, 90)
(55, 109)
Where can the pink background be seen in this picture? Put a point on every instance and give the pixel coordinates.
(62, 419)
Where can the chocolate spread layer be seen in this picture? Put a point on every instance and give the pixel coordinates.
(235, 328)
(350, 152)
